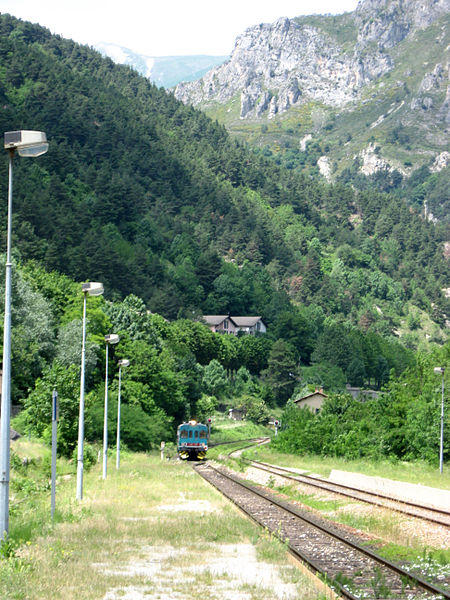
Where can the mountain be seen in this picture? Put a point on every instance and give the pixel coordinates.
(165, 71)
(369, 86)
(153, 198)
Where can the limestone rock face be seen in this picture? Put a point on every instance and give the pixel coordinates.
(388, 22)
(371, 162)
(442, 161)
(276, 66)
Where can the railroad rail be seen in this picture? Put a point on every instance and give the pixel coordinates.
(413, 509)
(252, 441)
(352, 569)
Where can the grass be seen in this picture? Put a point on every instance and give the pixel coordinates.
(226, 430)
(311, 500)
(129, 533)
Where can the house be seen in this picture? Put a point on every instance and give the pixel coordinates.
(234, 325)
(221, 323)
(313, 401)
(250, 325)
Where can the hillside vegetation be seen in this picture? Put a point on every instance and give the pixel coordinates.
(178, 220)
(153, 198)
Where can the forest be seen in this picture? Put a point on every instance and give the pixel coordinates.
(178, 220)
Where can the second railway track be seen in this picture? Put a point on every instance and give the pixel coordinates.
(412, 509)
(355, 571)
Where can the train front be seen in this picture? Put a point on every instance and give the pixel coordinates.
(192, 441)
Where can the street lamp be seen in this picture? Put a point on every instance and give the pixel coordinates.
(26, 143)
(111, 338)
(93, 288)
(441, 370)
(124, 362)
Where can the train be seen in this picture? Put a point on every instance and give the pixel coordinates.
(192, 440)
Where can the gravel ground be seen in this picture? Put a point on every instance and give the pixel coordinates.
(217, 572)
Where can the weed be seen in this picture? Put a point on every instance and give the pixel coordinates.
(379, 586)
(8, 548)
(344, 582)
(406, 583)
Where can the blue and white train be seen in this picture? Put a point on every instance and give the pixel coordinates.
(192, 440)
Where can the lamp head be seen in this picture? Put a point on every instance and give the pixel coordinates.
(112, 338)
(93, 288)
(27, 143)
(439, 370)
(124, 362)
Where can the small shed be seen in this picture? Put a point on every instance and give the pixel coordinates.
(237, 414)
(313, 401)
(362, 394)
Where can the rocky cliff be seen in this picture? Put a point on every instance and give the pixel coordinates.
(276, 66)
(365, 91)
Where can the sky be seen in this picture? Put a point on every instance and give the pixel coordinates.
(163, 27)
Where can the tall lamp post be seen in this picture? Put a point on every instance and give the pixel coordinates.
(111, 338)
(122, 363)
(441, 370)
(26, 143)
(93, 288)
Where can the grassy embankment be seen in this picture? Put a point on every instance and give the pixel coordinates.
(153, 529)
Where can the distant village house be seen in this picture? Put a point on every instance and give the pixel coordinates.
(234, 325)
(313, 401)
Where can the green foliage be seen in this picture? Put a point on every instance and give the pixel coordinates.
(32, 331)
(89, 456)
(326, 375)
(255, 409)
(205, 408)
(403, 423)
(281, 373)
(68, 352)
(215, 379)
(37, 414)
(130, 317)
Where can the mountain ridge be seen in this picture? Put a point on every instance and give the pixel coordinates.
(165, 71)
(313, 72)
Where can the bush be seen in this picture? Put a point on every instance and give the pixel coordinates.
(89, 456)
(205, 407)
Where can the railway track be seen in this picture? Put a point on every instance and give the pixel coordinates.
(353, 570)
(252, 442)
(428, 513)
